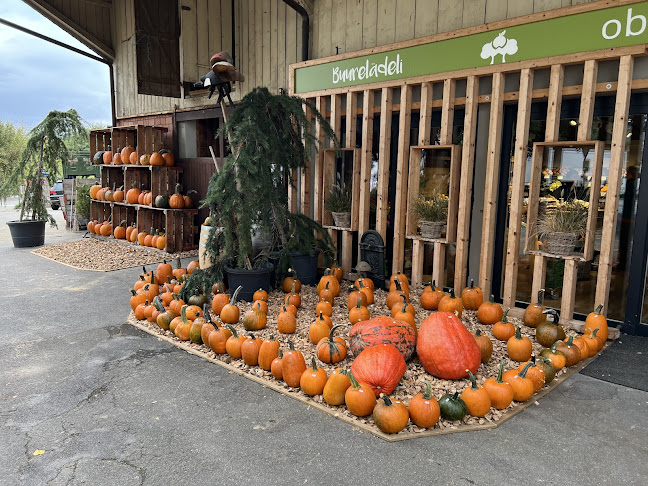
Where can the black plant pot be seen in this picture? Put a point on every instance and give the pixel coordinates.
(250, 280)
(306, 267)
(27, 233)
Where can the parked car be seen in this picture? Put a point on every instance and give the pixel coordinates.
(56, 192)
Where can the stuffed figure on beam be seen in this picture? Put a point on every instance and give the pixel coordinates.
(221, 76)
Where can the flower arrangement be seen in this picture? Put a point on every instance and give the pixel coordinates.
(567, 217)
(338, 199)
(432, 208)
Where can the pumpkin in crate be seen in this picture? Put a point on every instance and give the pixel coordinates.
(268, 351)
(596, 320)
(97, 159)
(431, 296)
(332, 349)
(106, 229)
(126, 153)
(134, 158)
(472, 297)
(313, 380)
(359, 398)
(381, 367)
(156, 159)
(120, 231)
(293, 366)
(391, 416)
(117, 160)
(336, 387)
(168, 158)
(107, 156)
(534, 313)
(446, 348)
(489, 312)
(176, 201)
(94, 189)
(133, 194)
(424, 409)
(250, 350)
(451, 303)
(118, 194)
(145, 159)
(162, 201)
(383, 330)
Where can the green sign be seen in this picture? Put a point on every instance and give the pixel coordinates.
(582, 32)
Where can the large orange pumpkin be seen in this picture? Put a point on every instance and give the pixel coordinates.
(381, 367)
(446, 348)
(176, 200)
(383, 330)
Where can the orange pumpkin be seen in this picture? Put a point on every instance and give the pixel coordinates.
(596, 320)
(472, 297)
(504, 330)
(313, 380)
(176, 201)
(451, 303)
(490, 312)
(133, 194)
(431, 296)
(156, 159)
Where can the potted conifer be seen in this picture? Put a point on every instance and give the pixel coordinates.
(45, 151)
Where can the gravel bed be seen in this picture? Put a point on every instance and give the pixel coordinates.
(413, 381)
(105, 255)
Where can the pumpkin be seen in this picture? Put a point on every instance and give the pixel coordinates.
(195, 332)
(136, 299)
(117, 160)
(260, 295)
(276, 368)
(294, 298)
(431, 296)
(268, 351)
(366, 281)
(472, 297)
(193, 311)
(522, 386)
(535, 373)
(338, 272)
(176, 201)
(293, 366)
(183, 328)
(169, 159)
(219, 301)
(313, 380)
(133, 235)
(156, 159)
(382, 330)
(504, 330)
(162, 201)
(365, 290)
(192, 266)
(424, 409)
(548, 368)
(381, 367)
(399, 306)
(118, 194)
(217, 340)
(164, 271)
(334, 285)
(547, 333)
(402, 280)
(254, 319)
(595, 344)
(134, 158)
(446, 348)
(518, 347)
(262, 305)
(489, 312)
(126, 153)
(164, 319)
(120, 231)
(331, 349)
(206, 330)
(584, 347)
(250, 350)
(318, 330)
(91, 226)
(570, 350)
(97, 158)
(476, 398)
(485, 346)
(140, 310)
(161, 242)
(145, 159)
(394, 296)
(149, 238)
(499, 391)
(325, 307)
(133, 194)
(229, 314)
(451, 303)
(290, 307)
(405, 316)
(107, 156)
(596, 320)
(556, 357)
(391, 416)
(336, 387)
(233, 343)
(534, 313)
(359, 312)
(359, 397)
(286, 321)
(290, 281)
(452, 407)
(327, 293)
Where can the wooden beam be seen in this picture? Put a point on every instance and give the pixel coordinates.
(447, 111)
(425, 114)
(418, 254)
(438, 264)
(615, 175)
(365, 162)
(305, 174)
(384, 151)
(588, 94)
(351, 114)
(402, 172)
(347, 251)
(517, 187)
(491, 183)
(318, 197)
(465, 188)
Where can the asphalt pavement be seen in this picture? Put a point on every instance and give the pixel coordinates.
(87, 399)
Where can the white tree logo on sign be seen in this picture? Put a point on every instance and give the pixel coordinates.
(500, 45)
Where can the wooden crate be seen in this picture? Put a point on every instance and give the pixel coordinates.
(145, 139)
(139, 175)
(112, 176)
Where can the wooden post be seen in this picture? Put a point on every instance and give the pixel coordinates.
(465, 190)
(320, 104)
(517, 187)
(351, 115)
(615, 175)
(438, 264)
(365, 160)
(447, 111)
(384, 162)
(491, 183)
(588, 95)
(402, 172)
(305, 175)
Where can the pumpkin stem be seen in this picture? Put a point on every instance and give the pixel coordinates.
(236, 293)
(505, 315)
(554, 346)
(522, 374)
(158, 304)
(354, 382)
(358, 304)
(321, 316)
(570, 341)
(280, 353)
(541, 297)
(313, 364)
(251, 336)
(452, 293)
(206, 313)
(183, 313)
(491, 299)
(427, 394)
(133, 292)
(258, 306)
(333, 331)
(598, 309)
(518, 333)
(404, 309)
(402, 296)
(397, 283)
(291, 345)
(232, 330)
(593, 333)
(386, 399)
(472, 283)
(500, 373)
(473, 380)
(478, 333)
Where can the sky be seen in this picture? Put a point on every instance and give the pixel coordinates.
(37, 76)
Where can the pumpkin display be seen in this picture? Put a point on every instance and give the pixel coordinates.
(162, 201)
(446, 348)
(156, 159)
(250, 350)
(254, 319)
(359, 398)
(286, 321)
(518, 347)
(534, 313)
(499, 391)
(596, 320)
(293, 366)
(145, 159)
(485, 346)
(276, 368)
(381, 367)
(490, 313)
(547, 333)
(379, 330)
(556, 357)
(391, 416)
(217, 340)
(476, 398)
(451, 303)
(424, 409)
(133, 158)
(126, 153)
(359, 312)
(169, 159)
(117, 160)
(504, 330)
(472, 297)
(234, 343)
(176, 200)
(229, 314)
(452, 407)
(291, 281)
(331, 349)
(336, 387)
(570, 350)
(107, 156)
(431, 296)
(97, 158)
(313, 380)
(268, 351)
(522, 386)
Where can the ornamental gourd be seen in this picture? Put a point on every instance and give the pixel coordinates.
(446, 348)
(382, 329)
(381, 367)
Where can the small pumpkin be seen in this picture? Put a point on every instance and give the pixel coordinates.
(260, 295)
(229, 314)
(472, 297)
(359, 398)
(405, 316)
(499, 391)
(452, 407)
(219, 301)
(556, 357)
(183, 328)
(595, 344)
(490, 313)
(336, 387)
(504, 330)
(250, 350)
(327, 293)
(156, 159)
(276, 368)
(313, 380)
(290, 307)
(391, 416)
(402, 280)
(286, 321)
(294, 298)
(287, 283)
(162, 201)
(398, 307)
(451, 303)
(424, 409)
(293, 366)
(548, 368)
(254, 319)
(547, 333)
(176, 201)
(338, 272)
(596, 320)
(360, 287)
(535, 373)
(217, 340)
(332, 349)
(334, 285)
(431, 296)
(381, 367)
(522, 386)
(396, 295)
(133, 194)
(318, 330)
(533, 314)
(519, 348)
(359, 312)
(485, 346)
(163, 272)
(476, 398)
(325, 307)
(268, 351)
(234, 343)
(571, 351)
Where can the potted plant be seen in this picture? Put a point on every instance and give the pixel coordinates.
(44, 152)
(561, 228)
(270, 137)
(338, 203)
(432, 212)
(83, 204)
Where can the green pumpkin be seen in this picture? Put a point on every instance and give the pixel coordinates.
(452, 407)
(547, 332)
(98, 157)
(198, 300)
(162, 201)
(549, 370)
(195, 332)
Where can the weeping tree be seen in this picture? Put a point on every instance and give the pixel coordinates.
(45, 152)
(270, 138)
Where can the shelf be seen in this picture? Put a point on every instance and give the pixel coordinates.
(427, 240)
(139, 166)
(137, 207)
(578, 258)
(336, 228)
(128, 243)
